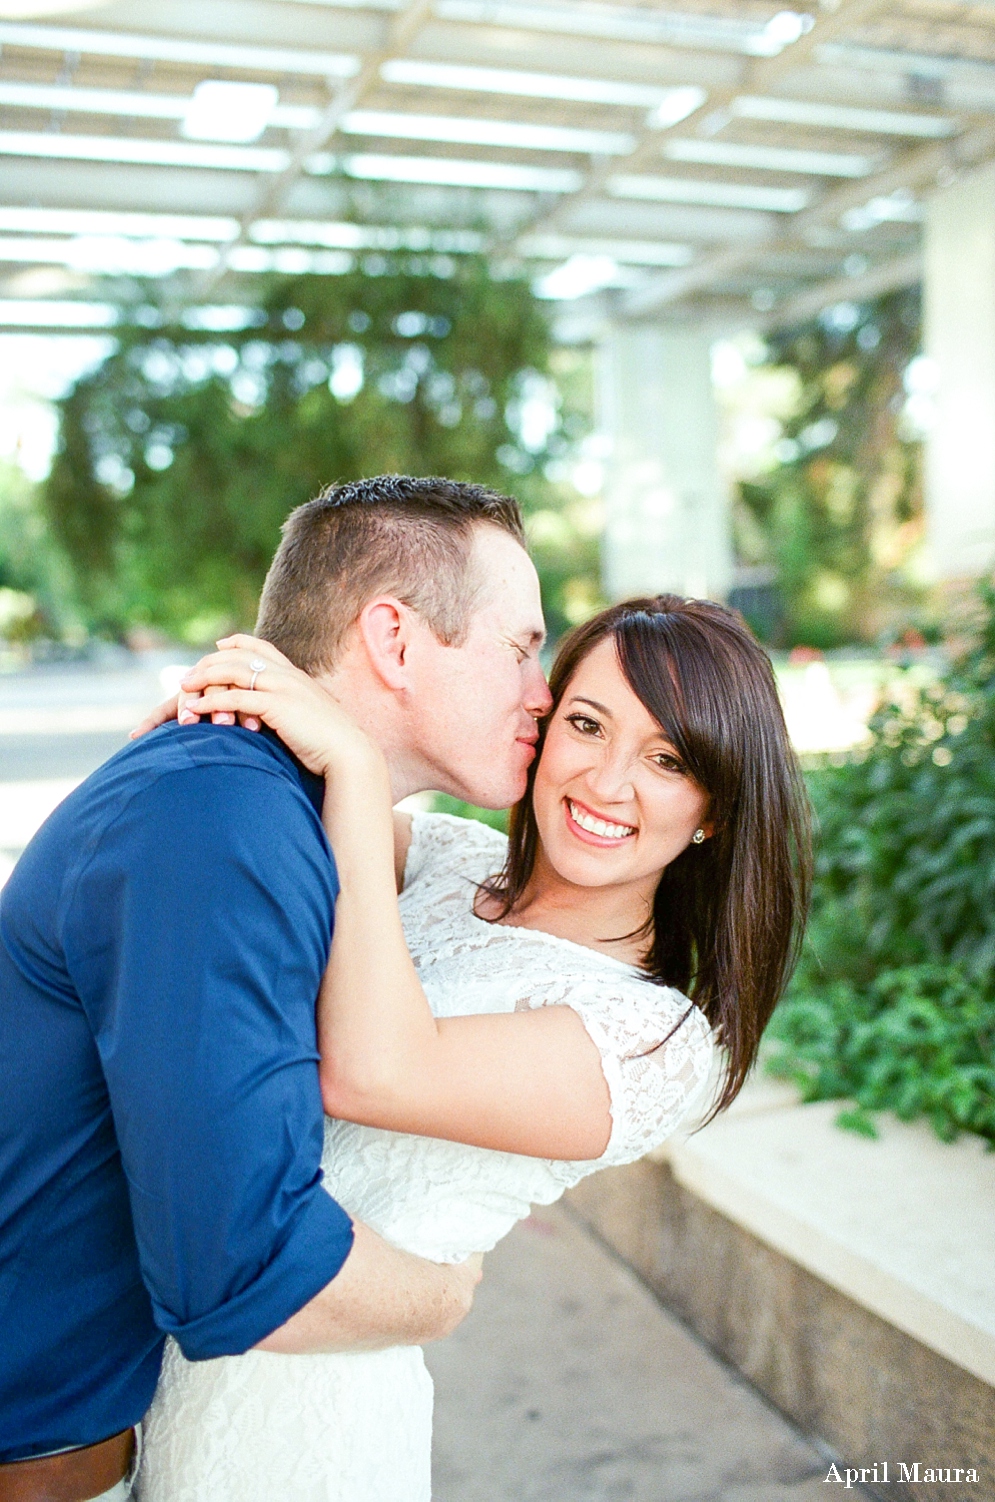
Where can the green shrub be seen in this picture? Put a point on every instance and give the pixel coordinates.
(918, 1041)
(892, 1004)
(497, 818)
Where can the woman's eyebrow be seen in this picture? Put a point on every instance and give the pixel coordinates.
(601, 708)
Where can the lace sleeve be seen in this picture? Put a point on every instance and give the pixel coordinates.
(443, 845)
(654, 1080)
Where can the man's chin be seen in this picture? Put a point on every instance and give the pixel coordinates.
(495, 796)
(486, 782)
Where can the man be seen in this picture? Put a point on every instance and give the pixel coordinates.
(162, 940)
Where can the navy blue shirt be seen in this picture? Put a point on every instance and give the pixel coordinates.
(162, 941)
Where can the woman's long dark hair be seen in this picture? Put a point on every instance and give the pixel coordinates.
(728, 914)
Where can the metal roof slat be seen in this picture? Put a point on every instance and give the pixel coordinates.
(494, 143)
(193, 51)
(757, 74)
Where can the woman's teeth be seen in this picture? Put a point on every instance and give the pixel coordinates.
(598, 826)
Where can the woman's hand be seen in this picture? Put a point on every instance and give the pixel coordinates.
(253, 680)
(176, 707)
(167, 710)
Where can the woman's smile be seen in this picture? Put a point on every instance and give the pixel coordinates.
(594, 828)
(613, 802)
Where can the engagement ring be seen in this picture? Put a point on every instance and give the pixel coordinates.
(257, 665)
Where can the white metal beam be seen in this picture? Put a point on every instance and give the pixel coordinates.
(195, 52)
(514, 135)
(912, 170)
(903, 271)
(271, 194)
(756, 78)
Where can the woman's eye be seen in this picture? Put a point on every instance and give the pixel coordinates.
(670, 763)
(584, 724)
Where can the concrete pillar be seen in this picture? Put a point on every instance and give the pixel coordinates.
(959, 295)
(666, 508)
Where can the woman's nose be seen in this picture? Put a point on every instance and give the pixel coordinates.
(611, 779)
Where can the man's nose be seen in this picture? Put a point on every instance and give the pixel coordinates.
(538, 699)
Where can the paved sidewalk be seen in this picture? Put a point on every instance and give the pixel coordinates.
(571, 1383)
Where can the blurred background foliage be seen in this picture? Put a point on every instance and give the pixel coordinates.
(838, 516)
(181, 455)
(36, 586)
(893, 1004)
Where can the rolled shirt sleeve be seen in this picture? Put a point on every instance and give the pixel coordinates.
(197, 943)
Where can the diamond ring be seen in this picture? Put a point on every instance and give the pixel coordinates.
(257, 665)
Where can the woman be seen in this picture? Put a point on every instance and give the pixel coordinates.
(659, 854)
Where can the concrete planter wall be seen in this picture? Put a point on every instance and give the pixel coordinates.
(872, 1391)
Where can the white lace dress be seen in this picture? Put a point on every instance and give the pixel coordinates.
(357, 1427)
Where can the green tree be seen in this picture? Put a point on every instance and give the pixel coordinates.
(182, 454)
(842, 513)
(35, 587)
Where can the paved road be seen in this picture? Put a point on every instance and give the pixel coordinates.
(29, 757)
(64, 721)
(57, 724)
(569, 1382)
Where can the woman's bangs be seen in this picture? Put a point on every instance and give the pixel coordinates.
(661, 663)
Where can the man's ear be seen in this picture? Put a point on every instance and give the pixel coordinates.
(384, 626)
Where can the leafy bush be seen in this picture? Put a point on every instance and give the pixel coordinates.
(892, 1003)
(496, 818)
(918, 1041)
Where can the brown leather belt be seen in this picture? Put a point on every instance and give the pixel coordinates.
(74, 1476)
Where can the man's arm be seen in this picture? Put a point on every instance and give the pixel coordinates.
(196, 935)
(382, 1297)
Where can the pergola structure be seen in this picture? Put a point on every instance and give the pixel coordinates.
(667, 169)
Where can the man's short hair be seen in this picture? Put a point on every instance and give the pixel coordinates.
(392, 535)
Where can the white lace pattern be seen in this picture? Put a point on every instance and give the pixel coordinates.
(357, 1428)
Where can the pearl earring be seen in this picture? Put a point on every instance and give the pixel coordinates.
(698, 837)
